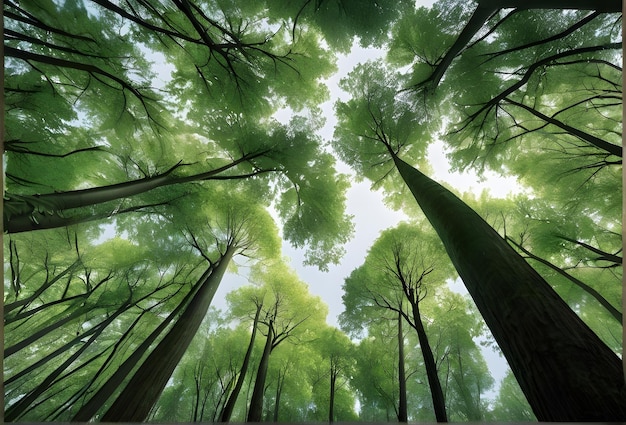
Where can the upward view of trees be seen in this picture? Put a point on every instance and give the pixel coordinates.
(159, 155)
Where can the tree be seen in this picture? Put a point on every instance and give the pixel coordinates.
(459, 331)
(335, 369)
(499, 280)
(402, 267)
(398, 268)
(547, 96)
(511, 403)
(376, 377)
(287, 306)
(234, 394)
(540, 104)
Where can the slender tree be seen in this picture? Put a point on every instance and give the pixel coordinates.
(232, 397)
(403, 415)
(287, 311)
(398, 280)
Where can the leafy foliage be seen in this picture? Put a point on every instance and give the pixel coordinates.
(143, 140)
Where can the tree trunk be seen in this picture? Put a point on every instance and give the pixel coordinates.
(256, 401)
(439, 403)
(145, 387)
(89, 409)
(333, 383)
(566, 372)
(21, 215)
(232, 399)
(279, 390)
(486, 8)
(403, 415)
(617, 315)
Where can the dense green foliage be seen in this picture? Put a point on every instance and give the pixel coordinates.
(151, 174)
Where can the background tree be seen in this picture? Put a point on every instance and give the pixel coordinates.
(257, 299)
(402, 267)
(511, 403)
(376, 378)
(287, 310)
(332, 374)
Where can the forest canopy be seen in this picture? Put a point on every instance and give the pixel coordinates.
(180, 184)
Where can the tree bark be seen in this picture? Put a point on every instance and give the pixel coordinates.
(566, 372)
(439, 403)
(232, 398)
(24, 217)
(145, 387)
(403, 415)
(256, 401)
(617, 315)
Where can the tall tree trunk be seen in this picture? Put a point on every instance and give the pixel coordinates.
(21, 215)
(566, 372)
(439, 403)
(279, 390)
(256, 401)
(403, 415)
(232, 398)
(89, 409)
(146, 385)
(617, 315)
